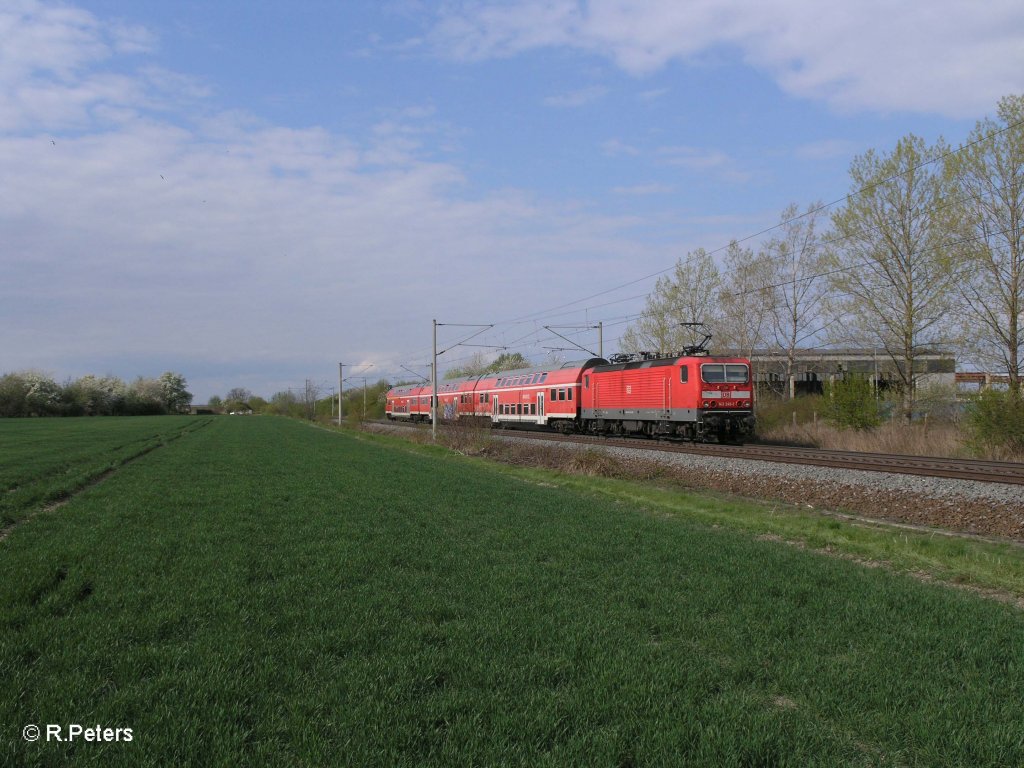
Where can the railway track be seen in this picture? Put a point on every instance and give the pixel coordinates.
(929, 466)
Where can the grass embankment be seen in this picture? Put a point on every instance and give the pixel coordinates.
(263, 592)
(45, 460)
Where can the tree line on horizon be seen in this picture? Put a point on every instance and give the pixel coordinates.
(309, 402)
(31, 393)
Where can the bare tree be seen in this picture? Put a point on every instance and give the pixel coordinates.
(238, 394)
(744, 300)
(894, 283)
(989, 174)
(690, 294)
(309, 397)
(796, 261)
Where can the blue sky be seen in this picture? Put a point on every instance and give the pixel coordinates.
(248, 193)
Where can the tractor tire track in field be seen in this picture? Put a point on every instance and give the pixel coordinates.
(61, 498)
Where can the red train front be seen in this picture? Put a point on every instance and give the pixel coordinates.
(694, 397)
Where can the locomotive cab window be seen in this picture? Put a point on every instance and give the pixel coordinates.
(684, 374)
(727, 373)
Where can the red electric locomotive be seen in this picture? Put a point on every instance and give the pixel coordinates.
(691, 396)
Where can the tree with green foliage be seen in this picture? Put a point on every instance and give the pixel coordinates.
(892, 275)
(31, 393)
(851, 403)
(145, 397)
(94, 396)
(989, 174)
(173, 394)
(43, 396)
(690, 294)
(996, 421)
(509, 361)
(284, 404)
(12, 395)
(478, 365)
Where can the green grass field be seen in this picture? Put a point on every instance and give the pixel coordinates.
(46, 460)
(260, 591)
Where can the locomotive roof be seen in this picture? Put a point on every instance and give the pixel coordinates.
(658, 362)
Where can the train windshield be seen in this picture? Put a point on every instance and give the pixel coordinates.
(727, 373)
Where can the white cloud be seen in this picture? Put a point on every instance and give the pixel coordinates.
(644, 190)
(946, 57)
(616, 147)
(47, 54)
(827, 149)
(653, 94)
(702, 160)
(577, 98)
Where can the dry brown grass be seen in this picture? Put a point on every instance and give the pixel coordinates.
(921, 439)
(941, 429)
(470, 438)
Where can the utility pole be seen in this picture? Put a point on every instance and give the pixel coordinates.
(341, 381)
(339, 393)
(433, 378)
(600, 338)
(433, 367)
